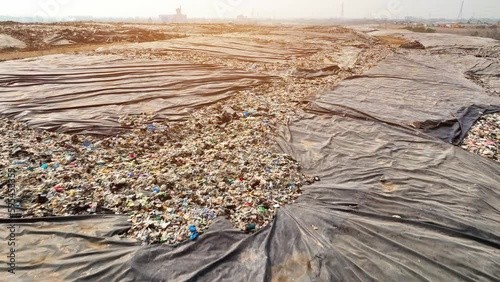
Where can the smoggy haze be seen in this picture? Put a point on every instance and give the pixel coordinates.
(257, 8)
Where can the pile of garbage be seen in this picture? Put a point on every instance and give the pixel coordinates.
(166, 177)
(412, 45)
(173, 179)
(484, 137)
(43, 36)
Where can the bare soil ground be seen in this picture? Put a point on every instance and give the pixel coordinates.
(392, 40)
(21, 54)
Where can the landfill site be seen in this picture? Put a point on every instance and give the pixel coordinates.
(245, 152)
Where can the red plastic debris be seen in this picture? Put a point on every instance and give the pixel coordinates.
(59, 188)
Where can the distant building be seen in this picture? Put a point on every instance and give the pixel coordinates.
(177, 18)
(242, 18)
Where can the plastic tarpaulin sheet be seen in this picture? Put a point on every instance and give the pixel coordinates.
(226, 47)
(414, 91)
(391, 206)
(82, 94)
(7, 41)
(394, 203)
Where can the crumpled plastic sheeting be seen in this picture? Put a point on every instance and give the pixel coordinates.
(412, 90)
(477, 57)
(414, 208)
(455, 130)
(68, 248)
(230, 48)
(7, 41)
(308, 73)
(440, 41)
(393, 204)
(82, 94)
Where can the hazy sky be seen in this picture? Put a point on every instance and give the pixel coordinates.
(259, 8)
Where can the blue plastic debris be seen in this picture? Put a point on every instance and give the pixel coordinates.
(86, 143)
(45, 166)
(247, 114)
(150, 127)
(251, 226)
(55, 166)
(156, 189)
(194, 232)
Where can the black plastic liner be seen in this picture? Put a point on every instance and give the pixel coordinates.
(394, 203)
(86, 94)
(455, 130)
(416, 91)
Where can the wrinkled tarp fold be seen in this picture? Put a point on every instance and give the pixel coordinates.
(394, 203)
(86, 95)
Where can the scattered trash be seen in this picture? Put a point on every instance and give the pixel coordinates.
(46, 36)
(86, 144)
(215, 163)
(42, 199)
(484, 137)
(194, 232)
(59, 188)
